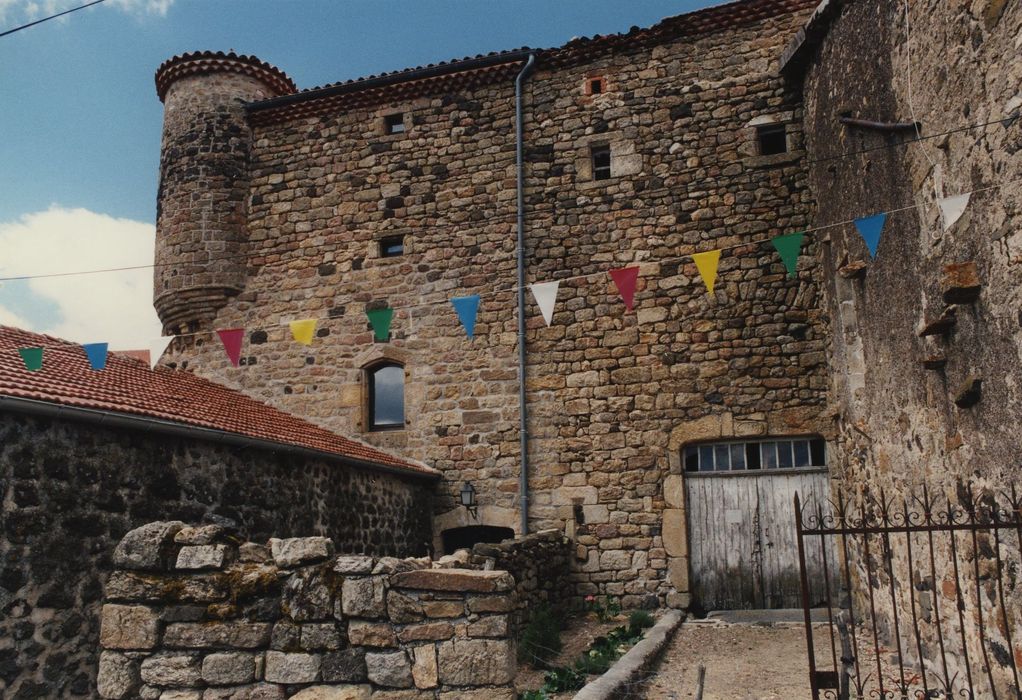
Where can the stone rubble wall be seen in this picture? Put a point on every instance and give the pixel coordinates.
(71, 491)
(192, 613)
(541, 564)
(607, 389)
(906, 411)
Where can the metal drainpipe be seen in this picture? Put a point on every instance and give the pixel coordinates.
(523, 434)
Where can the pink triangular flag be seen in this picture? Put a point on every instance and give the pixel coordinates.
(231, 338)
(625, 279)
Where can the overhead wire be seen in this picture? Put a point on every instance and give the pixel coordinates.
(47, 19)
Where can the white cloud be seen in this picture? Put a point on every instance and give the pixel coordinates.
(115, 307)
(19, 11)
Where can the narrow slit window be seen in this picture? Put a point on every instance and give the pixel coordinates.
(595, 86)
(601, 162)
(394, 123)
(392, 246)
(772, 138)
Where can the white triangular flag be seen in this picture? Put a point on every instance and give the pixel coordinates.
(157, 346)
(545, 294)
(952, 208)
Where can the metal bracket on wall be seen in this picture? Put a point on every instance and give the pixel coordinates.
(880, 126)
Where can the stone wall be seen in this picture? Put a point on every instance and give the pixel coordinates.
(913, 409)
(541, 564)
(70, 491)
(607, 388)
(191, 614)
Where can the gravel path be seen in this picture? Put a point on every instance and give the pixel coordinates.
(743, 662)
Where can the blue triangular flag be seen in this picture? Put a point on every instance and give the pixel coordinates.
(870, 228)
(96, 353)
(467, 308)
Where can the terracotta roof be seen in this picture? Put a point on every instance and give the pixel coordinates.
(492, 67)
(128, 386)
(202, 62)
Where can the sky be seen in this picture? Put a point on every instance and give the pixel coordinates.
(80, 120)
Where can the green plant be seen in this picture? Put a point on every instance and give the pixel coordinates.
(638, 621)
(597, 660)
(560, 679)
(533, 695)
(541, 638)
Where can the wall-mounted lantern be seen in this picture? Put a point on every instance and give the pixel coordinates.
(468, 499)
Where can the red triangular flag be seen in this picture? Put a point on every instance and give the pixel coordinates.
(625, 279)
(231, 338)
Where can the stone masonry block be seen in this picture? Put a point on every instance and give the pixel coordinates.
(454, 580)
(347, 666)
(476, 662)
(371, 634)
(228, 668)
(291, 668)
(170, 670)
(149, 547)
(231, 635)
(128, 627)
(295, 551)
(424, 667)
(335, 692)
(205, 556)
(364, 597)
(118, 676)
(391, 669)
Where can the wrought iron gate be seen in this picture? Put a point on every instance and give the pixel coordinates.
(924, 599)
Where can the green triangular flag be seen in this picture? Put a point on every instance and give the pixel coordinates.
(789, 247)
(380, 319)
(32, 357)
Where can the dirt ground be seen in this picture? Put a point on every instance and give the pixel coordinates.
(743, 662)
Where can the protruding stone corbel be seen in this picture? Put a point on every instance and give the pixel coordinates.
(853, 270)
(961, 284)
(942, 325)
(969, 392)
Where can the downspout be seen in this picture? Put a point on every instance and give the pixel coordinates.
(523, 435)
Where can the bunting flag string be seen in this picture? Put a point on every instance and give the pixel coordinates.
(303, 331)
(231, 339)
(789, 247)
(952, 208)
(32, 357)
(380, 320)
(96, 352)
(467, 308)
(158, 346)
(870, 228)
(545, 294)
(625, 279)
(707, 264)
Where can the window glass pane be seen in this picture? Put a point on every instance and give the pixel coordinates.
(738, 455)
(752, 455)
(691, 459)
(388, 396)
(802, 453)
(706, 458)
(784, 460)
(768, 454)
(818, 449)
(392, 246)
(720, 456)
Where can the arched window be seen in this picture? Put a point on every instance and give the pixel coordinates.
(386, 396)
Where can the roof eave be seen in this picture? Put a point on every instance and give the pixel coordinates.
(112, 419)
(802, 47)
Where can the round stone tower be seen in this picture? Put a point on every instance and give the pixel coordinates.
(204, 181)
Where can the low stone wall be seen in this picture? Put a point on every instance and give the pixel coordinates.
(540, 564)
(192, 614)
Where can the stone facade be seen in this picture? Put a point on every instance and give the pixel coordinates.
(294, 620)
(70, 491)
(938, 410)
(607, 389)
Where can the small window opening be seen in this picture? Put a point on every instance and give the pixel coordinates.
(394, 123)
(392, 246)
(791, 453)
(773, 139)
(595, 86)
(386, 392)
(601, 162)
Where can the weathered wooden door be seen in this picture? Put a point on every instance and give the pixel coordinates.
(743, 550)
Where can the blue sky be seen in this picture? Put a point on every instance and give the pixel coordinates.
(80, 121)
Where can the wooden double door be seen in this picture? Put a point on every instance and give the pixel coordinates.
(743, 549)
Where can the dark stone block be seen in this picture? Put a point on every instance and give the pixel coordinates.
(347, 666)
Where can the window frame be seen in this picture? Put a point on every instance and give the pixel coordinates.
(394, 124)
(371, 399)
(601, 172)
(768, 131)
(755, 452)
(390, 240)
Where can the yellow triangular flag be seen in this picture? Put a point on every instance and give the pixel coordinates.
(706, 263)
(302, 331)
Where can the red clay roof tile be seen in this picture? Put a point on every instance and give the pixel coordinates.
(128, 386)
